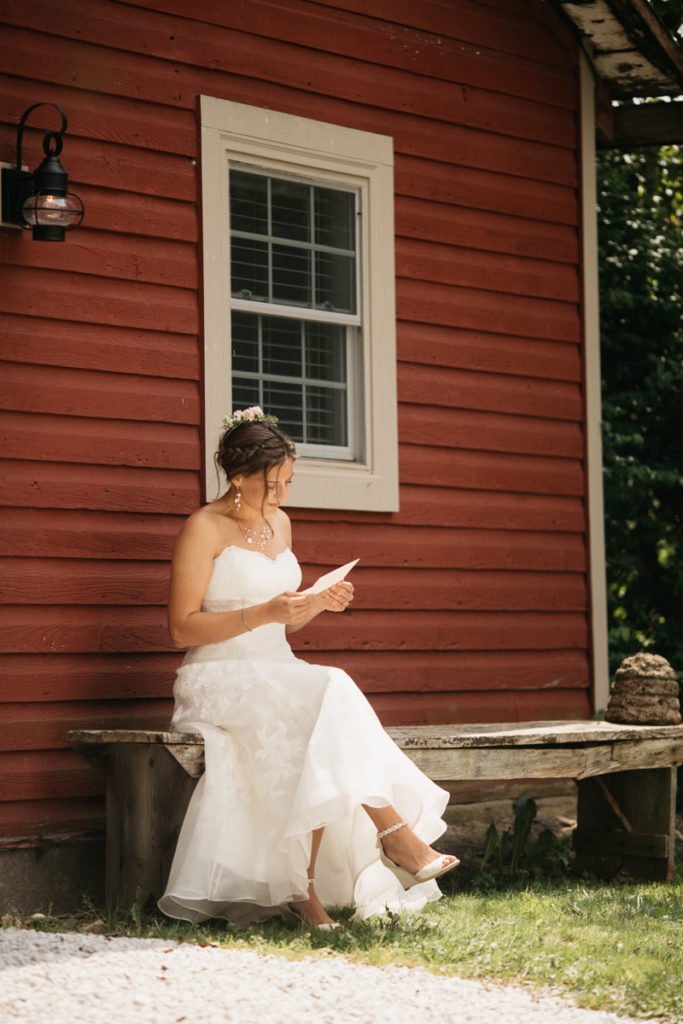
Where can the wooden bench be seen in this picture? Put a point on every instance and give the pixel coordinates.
(626, 777)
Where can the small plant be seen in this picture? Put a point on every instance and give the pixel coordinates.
(516, 856)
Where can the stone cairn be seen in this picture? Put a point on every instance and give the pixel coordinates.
(645, 692)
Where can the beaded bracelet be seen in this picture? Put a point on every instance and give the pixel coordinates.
(244, 620)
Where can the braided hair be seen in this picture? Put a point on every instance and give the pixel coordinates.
(252, 446)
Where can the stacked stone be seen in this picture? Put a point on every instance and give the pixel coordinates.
(645, 692)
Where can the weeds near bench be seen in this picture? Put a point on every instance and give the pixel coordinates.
(516, 856)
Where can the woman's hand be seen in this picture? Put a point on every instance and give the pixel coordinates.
(337, 598)
(293, 610)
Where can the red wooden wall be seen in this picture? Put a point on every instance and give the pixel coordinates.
(472, 601)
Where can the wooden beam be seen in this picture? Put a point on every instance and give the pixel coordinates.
(628, 45)
(649, 34)
(645, 124)
(598, 841)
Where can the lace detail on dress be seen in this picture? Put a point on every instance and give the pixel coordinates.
(280, 753)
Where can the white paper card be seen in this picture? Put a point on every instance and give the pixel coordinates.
(330, 578)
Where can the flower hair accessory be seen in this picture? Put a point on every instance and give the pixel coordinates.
(254, 414)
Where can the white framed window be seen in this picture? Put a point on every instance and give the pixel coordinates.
(299, 308)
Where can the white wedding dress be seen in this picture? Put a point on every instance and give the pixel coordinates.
(289, 747)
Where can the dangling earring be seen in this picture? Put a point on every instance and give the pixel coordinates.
(237, 499)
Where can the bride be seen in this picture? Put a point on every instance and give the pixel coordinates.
(305, 802)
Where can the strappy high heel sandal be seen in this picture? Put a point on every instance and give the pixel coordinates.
(290, 913)
(437, 867)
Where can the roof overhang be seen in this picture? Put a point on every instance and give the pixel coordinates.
(635, 58)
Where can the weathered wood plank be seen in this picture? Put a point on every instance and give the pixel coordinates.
(78, 628)
(97, 300)
(98, 582)
(476, 263)
(646, 798)
(38, 678)
(490, 673)
(59, 485)
(482, 190)
(54, 629)
(467, 753)
(651, 124)
(393, 546)
(465, 20)
(46, 775)
(500, 471)
(492, 510)
(147, 796)
(142, 80)
(81, 439)
(30, 822)
(95, 347)
(472, 309)
(531, 734)
(475, 430)
(440, 55)
(494, 233)
(157, 261)
(122, 535)
(35, 678)
(449, 737)
(481, 351)
(427, 385)
(88, 393)
(44, 726)
(602, 843)
(157, 129)
(470, 23)
(403, 708)
(75, 533)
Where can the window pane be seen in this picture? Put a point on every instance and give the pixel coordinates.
(335, 282)
(286, 402)
(248, 203)
(291, 275)
(281, 346)
(334, 218)
(326, 416)
(290, 214)
(244, 394)
(326, 352)
(245, 343)
(249, 269)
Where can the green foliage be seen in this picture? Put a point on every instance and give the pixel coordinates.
(513, 858)
(641, 267)
(670, 12)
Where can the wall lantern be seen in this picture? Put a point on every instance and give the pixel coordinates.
(41, 200)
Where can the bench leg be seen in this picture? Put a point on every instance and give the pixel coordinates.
(631, 827)
(147, 796)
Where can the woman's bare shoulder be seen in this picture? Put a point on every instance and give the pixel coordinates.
(204, 529)
(283, 525)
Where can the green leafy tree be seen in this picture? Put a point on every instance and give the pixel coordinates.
(670, 12)
(641, 238)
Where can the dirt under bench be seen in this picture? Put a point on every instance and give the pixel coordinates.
(626, 778)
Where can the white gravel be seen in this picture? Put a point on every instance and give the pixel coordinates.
(88, 979)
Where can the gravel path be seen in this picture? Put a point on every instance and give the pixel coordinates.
(88, 979)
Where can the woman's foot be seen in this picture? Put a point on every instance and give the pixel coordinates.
(312, 912)
(408, 852)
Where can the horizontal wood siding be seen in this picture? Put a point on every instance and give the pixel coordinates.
(472, 600)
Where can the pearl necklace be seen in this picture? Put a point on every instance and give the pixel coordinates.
(256, 538)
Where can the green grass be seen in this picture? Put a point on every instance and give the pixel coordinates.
(610, 947)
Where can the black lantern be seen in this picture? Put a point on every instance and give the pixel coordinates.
(41, 200)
